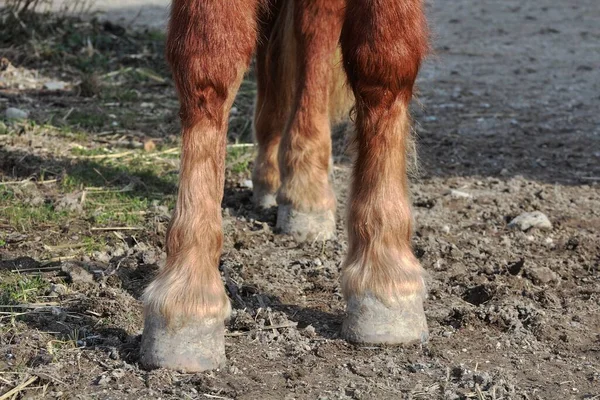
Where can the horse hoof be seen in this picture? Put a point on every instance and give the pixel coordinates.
(194, 346)
(368, 320)
(263, 198)
(304, 226)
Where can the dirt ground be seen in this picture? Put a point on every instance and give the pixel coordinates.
(507, 122)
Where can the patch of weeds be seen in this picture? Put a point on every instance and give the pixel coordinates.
(131, 176)
(86, 152)
(128, 120)
(120, 192)
(6, 194)
(87, 119)
(18, 289)
(54, 347)
(155, 35)
(239, 158)
(117, 208)
(26, 217)
(93, 243)
(86, 46)
(120, 94)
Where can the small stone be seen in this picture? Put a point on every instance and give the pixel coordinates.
(149, 146)
(457, 194)
(310, 331)
(69, 202)
(101, 256)
(542, 275)
(55, 85)
(58, 313)
(530, 220)
(117, 373)
(234, 370)
(15, 114)
(114, 354)
(481, 378)
(161, 211)
(58, 289)
(247, 184)
(103, 380)
(77, 273)
(446, 229)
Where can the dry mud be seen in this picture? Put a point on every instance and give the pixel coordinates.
(507, 122)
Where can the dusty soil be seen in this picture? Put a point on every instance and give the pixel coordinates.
(507, 122)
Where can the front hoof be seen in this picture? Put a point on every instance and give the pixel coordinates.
(194, 346)
(304, 226)
(368, 320)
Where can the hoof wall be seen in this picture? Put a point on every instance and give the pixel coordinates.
(368, 320)
(192, 347)
(306, 226)
(263, 198)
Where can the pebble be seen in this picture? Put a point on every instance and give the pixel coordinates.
(457, 194)
(57, 289)
(55, 85)
(103, 380)
(69, 202)
(12, 113)
(77, 273)
(58, 313)
(542, 275)
(529, 220)
(247, 184)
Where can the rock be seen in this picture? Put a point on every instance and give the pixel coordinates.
(542, 275)
(57, 289)
(149, 145)
(117, 373)
(103, 380)
(55, 85)
(101, 256)
(69, 202)
(15, 114)
(457, 194)
(529, 220)
(161, 211)
(30, 194)
(247, 184)
(58, 313)
(77, 273)
(309, 331)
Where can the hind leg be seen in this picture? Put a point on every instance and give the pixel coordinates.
(306, 202)
(274, 92)
(382, 44)
(209, 48)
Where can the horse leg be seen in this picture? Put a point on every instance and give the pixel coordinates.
(306, 202)
(208, 48)
(383, 44)
(274, 77)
